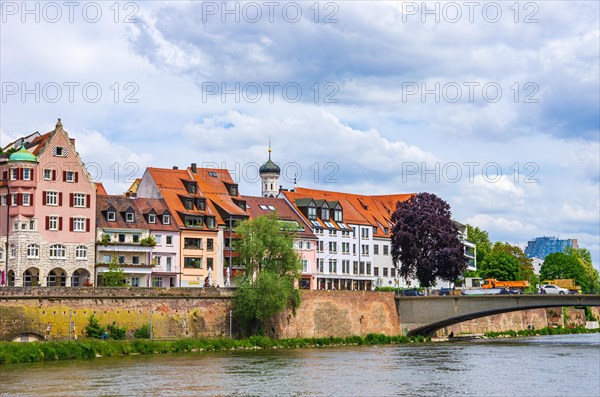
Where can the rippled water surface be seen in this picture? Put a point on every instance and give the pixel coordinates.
(567, 365)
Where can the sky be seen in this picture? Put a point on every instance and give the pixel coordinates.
(493, 106)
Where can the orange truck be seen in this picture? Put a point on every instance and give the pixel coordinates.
(493, 283)
(567, 283)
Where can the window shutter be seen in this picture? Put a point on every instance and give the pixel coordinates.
(19, 198)
(87, 201)
(71, 199)
(53, 175)
(76, 177)
(44, 197)
(87, 225)
(71, 222)
(4, 175)
(47, 223)
(60, 223)
(64, 176)
(60, 199)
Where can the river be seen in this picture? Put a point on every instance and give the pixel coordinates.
(565, 365)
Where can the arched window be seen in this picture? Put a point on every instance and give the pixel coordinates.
(33, 251)
(57, 251)
(81, 252)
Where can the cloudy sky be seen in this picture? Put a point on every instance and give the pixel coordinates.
(494, 106)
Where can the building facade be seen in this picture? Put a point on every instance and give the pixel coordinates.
(48, 212)
(541, 247)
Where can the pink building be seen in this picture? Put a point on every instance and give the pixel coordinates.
(305, 241)
(47, 212)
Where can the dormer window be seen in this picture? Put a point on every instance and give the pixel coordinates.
(189, 204)
(213, 174)
(201, 204)
(110, 216)
(129, 217)
(386, 230)
(324, 213)
(337, 215)
(233, 190)
(59, 151)
(151, 218)
(166, 219)
(312, 213)
(210, 222)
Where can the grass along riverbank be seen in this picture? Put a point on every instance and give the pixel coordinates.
(14, 352)
(542, 331)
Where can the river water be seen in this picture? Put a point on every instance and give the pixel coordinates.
(566, 365)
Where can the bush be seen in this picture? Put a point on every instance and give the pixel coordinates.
(142, 332)
(116, 332)
(93, 329)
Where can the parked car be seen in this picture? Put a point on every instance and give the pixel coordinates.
(445, 291)
(411, 292)
(552, 289)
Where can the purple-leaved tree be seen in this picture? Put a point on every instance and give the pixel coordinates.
(425, 243)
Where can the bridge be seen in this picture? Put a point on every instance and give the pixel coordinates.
(425, 315)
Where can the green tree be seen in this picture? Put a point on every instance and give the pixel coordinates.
(499, 265)
(113, 277)
(93, 329)
(561, 265)
(525, 263)
(481, 239)
(591, 280)
(272, 268)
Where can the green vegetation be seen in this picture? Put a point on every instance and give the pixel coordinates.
(94, 329)
(113, 277)
(142, 332)
(542, 331)
(481, 239)
(272, 268)
(575, 264)
(115, 332)
(11, 352)
(149, 241)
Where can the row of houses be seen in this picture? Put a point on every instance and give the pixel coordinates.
(176, 227)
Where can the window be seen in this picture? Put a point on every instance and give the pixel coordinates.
(300, 245)
(332, 232)
(33, 251)
(304, 266)
(51, 198)
(191, 188)
(81, 252)
(152, 219)
(57, 251)
(376, 271)
(374, 229)
(189, 204)
(79, 224)
(345, 248)
(79, 200)
(376, 249)
(190, 262)
(325, 214)
(233, 190)
(353, 231)
(364, 232)
(319, 246)
(386, 230)
(321, 264)
(121, 259)
(59, 151)
(136, 238)
(1, 254)
(169, 263)
(332, 247)
(353, 249)
(385, 250)
(26, 174)
(32, 224)
(129, 217)
(169, 240)
(157, 260)
(345, 266)
(47, 174)
(14, 199)
(385, 272)
(355, 267)
(110, 216)
(337, 215)
(157, 282)
(166, 219)
(12, 251)
(192, 243)
(209, 244)
(23, 226)
(53, 223)
(345, 233)
(158, 239)
(368, 268)
(135, 281)
(362, 267)
(312, 213)
(308, 245)
(364, 249)
(121, 237)
(26, 199)
(209, 263)
(135, 260)
(393, 272)
(106, 259)
(211, 222)
(14, 174)
(3, 200)
(70, 176)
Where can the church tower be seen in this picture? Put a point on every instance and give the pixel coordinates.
(269, 177)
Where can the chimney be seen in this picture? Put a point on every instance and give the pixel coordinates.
(175, 167)
(194, 168)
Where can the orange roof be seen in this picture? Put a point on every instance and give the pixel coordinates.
(171, 186)
(357, 209)
(214, 184)
(100, 189)
(279, 207)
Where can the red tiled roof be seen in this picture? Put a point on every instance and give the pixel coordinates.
(282, 210)
(141, 207)
(213, 185)
(100, 189)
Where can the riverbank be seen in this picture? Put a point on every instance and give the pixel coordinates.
(14, 353)
(542, 331)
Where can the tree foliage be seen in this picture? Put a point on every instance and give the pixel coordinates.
(572, 264)
(499, 265)
(273, 267)
(425, 243)
(113, 277)
(482, 242)
(525, 263)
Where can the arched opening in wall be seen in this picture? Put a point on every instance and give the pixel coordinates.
(79, 278)
(57, 277)
(31, 277)
(10, 278)
(27, 337)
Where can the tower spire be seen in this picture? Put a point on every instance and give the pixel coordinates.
(270, 150)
